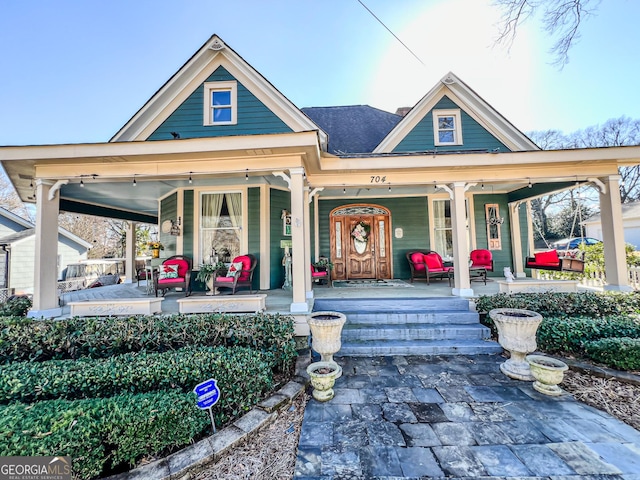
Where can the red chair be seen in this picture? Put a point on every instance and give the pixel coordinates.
(164, 278)
(427, 264)
(481, 259)
(321, 275)
(239, 274)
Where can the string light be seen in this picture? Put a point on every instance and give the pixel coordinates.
(134, 181)
(389, 187)
(81, 183)
(190, 179)
(246, 175)
(530, 184)
(344, 190)
(482, 186)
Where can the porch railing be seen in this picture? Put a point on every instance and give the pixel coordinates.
(591, 279)
(5, 293)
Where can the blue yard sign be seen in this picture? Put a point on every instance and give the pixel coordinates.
(208, 395)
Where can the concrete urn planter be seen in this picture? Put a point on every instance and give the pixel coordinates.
(323, 376)
(326, 330)
(516, 334)
(548, 373)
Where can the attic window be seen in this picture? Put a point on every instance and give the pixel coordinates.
(447, 127)
(220, 103)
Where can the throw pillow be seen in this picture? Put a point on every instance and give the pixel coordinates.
(234, 269)
(168, 271)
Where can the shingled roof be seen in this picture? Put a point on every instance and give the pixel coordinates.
(354, 128)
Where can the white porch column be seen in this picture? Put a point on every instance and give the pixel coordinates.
(615, 260)
(308, 287)
(298, 255)
(462, 286)
(516, 240)
(45, 292)
(130, 253)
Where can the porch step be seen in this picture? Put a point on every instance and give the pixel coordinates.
(413, 331)
(410, 326)
(419, 347)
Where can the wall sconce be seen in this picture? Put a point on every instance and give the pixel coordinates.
(175, 227)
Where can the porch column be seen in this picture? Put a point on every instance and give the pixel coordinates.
(615, 260)
(308, 287)
(298, 255)
(462, 281)
(130, 253)
(45, 289)
(516, 240)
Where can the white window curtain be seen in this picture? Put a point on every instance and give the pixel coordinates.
(234, 205)
(211, 208)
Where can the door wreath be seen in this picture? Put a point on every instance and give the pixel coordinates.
(360, 234)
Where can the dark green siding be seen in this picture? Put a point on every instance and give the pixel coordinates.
(474, 135)
(280, 200)
(188, 224)
(501, 258)
(168, 211)
(410, 214)
(253, 218)
(253, 116)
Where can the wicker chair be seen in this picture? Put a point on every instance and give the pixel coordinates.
(163, 280)
(243, 277)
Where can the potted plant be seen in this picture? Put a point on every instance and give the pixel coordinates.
(155, 248)
(206, 273)
(548, 373)
(516, 334)
(323, 376)
(323, 264)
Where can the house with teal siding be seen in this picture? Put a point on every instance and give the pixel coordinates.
(224, 155)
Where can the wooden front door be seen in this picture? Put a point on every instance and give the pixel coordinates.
(360, 243)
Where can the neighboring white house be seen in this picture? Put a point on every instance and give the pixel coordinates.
(630, 222)
(17, 254)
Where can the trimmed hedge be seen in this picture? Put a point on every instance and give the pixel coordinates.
(555, 304)
(619, 352)
(242, 374)
(569, 335)
(23, 339)
(101, 434)
(16, 306)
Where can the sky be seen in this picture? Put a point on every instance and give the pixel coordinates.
(77, 71)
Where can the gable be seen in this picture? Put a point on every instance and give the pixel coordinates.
(467, 107)
(474, 135)
(253, 116)
(159, 115)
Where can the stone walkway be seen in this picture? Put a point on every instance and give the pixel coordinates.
(456, 417)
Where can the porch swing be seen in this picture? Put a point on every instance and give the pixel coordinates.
(550, 260)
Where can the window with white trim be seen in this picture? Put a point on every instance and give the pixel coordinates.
(447, 128)
(220, 226)
(220, 103)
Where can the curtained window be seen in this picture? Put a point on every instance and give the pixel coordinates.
(220, 225)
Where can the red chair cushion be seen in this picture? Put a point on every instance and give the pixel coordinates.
(246, 265)
(318, 274)
(549, 257)
(225, 279)
(171, 280)
(433, 261)
(183, 266)
(418, 261)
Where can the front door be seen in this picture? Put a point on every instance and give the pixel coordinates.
(360, 242)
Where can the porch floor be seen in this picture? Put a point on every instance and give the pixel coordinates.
(279, 300)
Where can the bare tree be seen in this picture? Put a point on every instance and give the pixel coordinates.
(560, 18)
(10, 200)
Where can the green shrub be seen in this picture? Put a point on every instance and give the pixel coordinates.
(101, 434)
(556, 304)
(569, 335)
(38, 340)
(242, 372)
(15, 306)
(622, 353)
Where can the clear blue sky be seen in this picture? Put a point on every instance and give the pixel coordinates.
(76, 71)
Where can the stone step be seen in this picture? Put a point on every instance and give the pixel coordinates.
(361, 305)
(414, 331)
(425, 317)
(419, 347)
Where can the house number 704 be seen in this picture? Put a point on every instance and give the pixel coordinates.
(378, 179)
